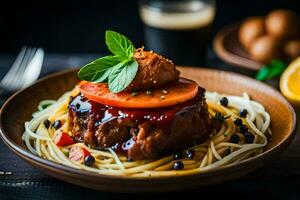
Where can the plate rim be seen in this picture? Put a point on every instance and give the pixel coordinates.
(29, 157)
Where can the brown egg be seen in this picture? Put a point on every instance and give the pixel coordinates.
(292, 48)
(251, 29)
(282, 23)
(265, 49)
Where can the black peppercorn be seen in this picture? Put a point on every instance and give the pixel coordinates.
(243, 129)
(190, 153)
(238, 122)
(249, 137)
(243, 113)
(224, 101)
(47, 123)
(178, 165)
(178, 155)
(56, 124)
(234, 138)
(89, 160)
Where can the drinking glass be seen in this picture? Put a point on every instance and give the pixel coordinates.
(178, 29)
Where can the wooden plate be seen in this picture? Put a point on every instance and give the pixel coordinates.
(21, 105)
(227, 46)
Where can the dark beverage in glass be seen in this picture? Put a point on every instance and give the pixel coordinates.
(178, 29)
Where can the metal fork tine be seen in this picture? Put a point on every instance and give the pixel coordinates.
(32, 54)
(14, 66)
(22, 70)
(16, 81)
(25, 69)
(25, 60)
(7, 82)
(33, 69)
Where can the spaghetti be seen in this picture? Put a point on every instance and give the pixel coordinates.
(217, 151)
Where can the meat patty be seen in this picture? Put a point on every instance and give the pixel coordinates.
(154, 70)
(155, 132)
(190, 125)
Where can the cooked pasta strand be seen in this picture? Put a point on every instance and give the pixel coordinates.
(208, 155)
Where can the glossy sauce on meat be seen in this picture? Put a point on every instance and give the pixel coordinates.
(161, 118)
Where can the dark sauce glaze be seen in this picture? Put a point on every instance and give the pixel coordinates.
(160, 117)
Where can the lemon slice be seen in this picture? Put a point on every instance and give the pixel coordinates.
(290, 82)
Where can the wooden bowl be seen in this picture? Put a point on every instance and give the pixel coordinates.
(227, 46)
(21, 105)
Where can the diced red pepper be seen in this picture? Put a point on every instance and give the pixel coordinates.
(78, 154)
(63, 139)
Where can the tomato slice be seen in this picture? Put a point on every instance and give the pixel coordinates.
(169, 95)
(63, 139)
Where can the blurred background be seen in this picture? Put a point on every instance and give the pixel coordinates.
(78, 26)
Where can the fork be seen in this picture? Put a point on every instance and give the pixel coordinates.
(24, 71)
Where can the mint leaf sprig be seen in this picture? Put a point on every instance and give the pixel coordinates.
(118, 70)
(274, 69)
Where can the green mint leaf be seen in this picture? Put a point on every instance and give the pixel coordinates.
(122, 75)
(274, 69)
(98, 70)
(115, 71)
(118, 70)
(119, 45)
(262, 73)
(277, 67)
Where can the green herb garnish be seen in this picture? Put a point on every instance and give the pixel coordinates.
(66, 152)
(118, 70)
(274, 69)
(220, 118)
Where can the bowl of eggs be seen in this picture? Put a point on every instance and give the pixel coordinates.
(258, 40)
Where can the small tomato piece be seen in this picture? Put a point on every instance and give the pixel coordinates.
(63, 139)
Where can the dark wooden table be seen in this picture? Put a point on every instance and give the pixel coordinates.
(278, 180)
